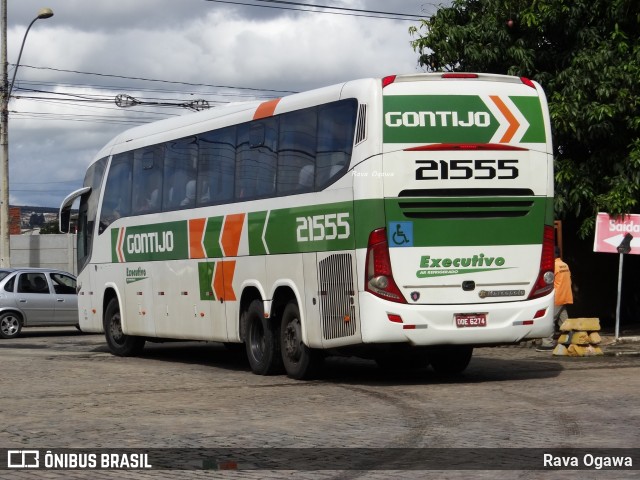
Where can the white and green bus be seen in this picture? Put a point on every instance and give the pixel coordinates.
(407, 219)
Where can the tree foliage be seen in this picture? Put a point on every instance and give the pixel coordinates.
(586, 55)
(49, 227)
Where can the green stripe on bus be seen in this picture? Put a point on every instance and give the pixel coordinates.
(532, 111)
(212, 237)
(159, 241)
(114, 245)
(458, 222)
(308, 229)
(205, 280)
(457, 119)
(255, 222)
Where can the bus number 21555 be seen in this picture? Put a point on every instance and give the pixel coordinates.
(466, 169)
(330, 226)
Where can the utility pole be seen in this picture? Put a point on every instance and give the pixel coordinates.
(5, 251)
(5, 95)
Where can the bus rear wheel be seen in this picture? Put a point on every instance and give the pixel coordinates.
(300, 361)
(261, 341)
(119, 343)
(451, 360)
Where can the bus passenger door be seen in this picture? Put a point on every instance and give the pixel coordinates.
(139, 303)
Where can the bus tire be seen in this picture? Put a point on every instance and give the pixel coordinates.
(300, 361)
(261, 341)
(451, 360)
(119, 343)
(402, 359)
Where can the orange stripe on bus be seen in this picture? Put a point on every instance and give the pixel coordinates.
(218, 281)
(223, 280)
(266, 109)
(231, 232)
(196, 231)
(513, 121)
(228, 270)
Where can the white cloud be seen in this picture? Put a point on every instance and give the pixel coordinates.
(179, 40)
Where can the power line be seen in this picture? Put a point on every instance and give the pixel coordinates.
(26, 115)
(47, 182)
(120, 88)
(328, 7)
(157, 80)
(344, 11)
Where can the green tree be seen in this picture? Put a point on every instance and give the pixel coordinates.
(586, 55)
(50, 227)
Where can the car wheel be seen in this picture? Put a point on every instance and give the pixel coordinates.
(119, 343)
(10, 325)
(261, 341)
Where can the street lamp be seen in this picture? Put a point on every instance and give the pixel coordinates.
(5, 94)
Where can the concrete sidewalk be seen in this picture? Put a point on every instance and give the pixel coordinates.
(624, 345)
(627, 344)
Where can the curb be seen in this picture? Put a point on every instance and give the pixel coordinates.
(623, 346)
(628, 339)
(622, 353)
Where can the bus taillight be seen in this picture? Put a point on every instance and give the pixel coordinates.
(544, 283)
(459, 75)
(378, 274)
(388, 80)
(527, 82)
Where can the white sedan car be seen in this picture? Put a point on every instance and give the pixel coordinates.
(36, 297)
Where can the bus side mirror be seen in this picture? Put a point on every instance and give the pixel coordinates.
(63, 223)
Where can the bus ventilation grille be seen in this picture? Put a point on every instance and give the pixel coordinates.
(467, 209)
(335, 279)
(476, 204)
(361, 127)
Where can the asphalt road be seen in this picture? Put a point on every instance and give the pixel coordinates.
(63, 389)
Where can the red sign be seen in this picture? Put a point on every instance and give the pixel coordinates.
(617, 234)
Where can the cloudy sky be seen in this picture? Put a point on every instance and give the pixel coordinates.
(74, 65)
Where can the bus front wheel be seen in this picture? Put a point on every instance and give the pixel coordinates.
(451, 360)
(261, 340)
(119, 343)
(300, 361)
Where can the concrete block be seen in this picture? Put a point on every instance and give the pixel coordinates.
(586, 324)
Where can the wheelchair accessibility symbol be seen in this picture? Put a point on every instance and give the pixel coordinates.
(400, 234)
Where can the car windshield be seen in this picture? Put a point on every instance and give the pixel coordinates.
(3, 273)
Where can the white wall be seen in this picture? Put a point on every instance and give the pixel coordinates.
(47, 251)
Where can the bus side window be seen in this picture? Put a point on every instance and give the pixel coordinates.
(330, 165)
(256, 159)
(147, 180)
(180, 165)
(216, 166)
(116, 202)
(336, 126)
(297, 151)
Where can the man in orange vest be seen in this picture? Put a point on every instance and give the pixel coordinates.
(564, 297)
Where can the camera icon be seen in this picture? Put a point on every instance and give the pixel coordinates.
(23, 459)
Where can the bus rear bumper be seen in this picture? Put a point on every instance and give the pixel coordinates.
(506, 323)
